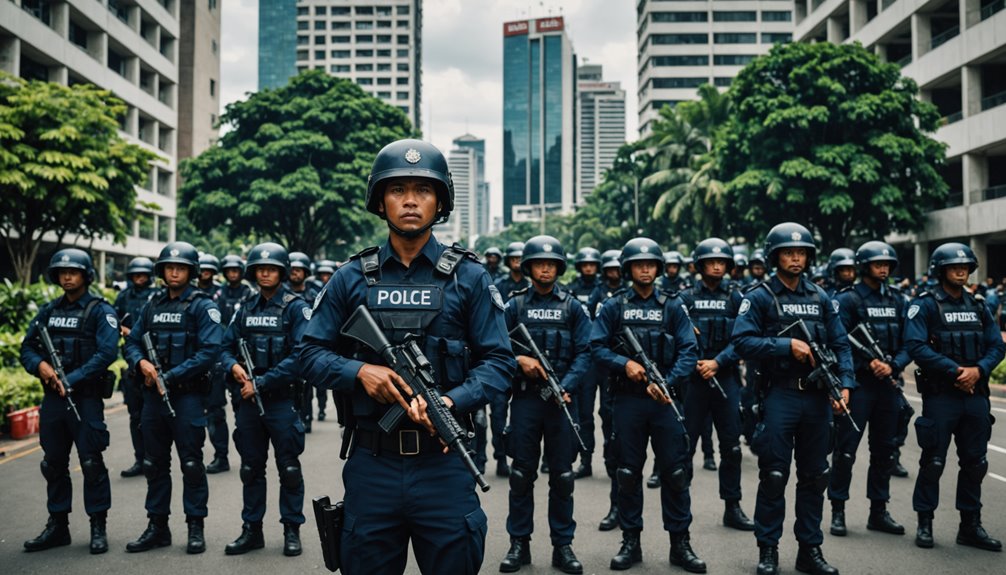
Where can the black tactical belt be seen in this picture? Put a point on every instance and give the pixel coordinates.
(401, 442)
(797, 383)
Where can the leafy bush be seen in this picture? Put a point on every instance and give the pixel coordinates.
(18, 390)
(999, 374)
(18, 305)
(10, 349)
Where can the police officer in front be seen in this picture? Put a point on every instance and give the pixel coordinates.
(184, 327)
(84, 332)
(641, 412)
(712, 304)
(129, 302)
(561, 329)
(271, 325)
(797, 412)
(402, 486)
(877, 400)
(955, 342)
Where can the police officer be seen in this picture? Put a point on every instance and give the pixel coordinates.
(796, 414)
(953, 339)
(737, 272)
(588, 263)
(326, 268)
(493, 257)
(877, 400)
(712, 305)
(184, 326)
(209, 267)
(841, 270)
(129, 302)
(402, 486)
(561, 329)
(84, 332)
(641, 413)
(515, 280)
(271, 325)
(297, 282)
(756, 266)
(673, 280)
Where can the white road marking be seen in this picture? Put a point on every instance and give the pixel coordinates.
(997, 448)
(997, 476)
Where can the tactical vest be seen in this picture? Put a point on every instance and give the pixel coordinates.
(581, 289)
(650, 327)
(229, 300)
(174, 333)
(884, 317)
(72, 331)
(267, 332)
(786, 309)
(131, 302)
(713, 315)
(549, 328)
(960, 333)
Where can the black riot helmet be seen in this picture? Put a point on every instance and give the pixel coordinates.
(209, 262)
(140, 265)
(326, 267)
(268, 253)
(232, 261)
(494, 251)
(789, 235)
(587, 256)
(713, 249)
(70, 258)
(610, 259)
(178, 253)
(740, 260)
(952, 253)
(875, 251)
(674, 257)
(638, 250)
(300, 260)
(839, 258)
(514, 250)
(757, 257)
(542, 248)
(411, 158)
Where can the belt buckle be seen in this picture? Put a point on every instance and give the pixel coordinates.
(401, 441)
(801, 384)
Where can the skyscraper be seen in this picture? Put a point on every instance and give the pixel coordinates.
(683, 45)
(601, 128)
(480, 222)
(470, 219)
(277, 42)
(539, 110)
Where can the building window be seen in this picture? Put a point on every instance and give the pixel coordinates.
(402, 81)
(320, 10)
(121, 12)
(319, 40)
(680, 39)
(319, 54)
(364, 67)
(746, 16)
(319, 24)
(213, 121)
(78, 35)
(213, 88)
(402, 66)
(402, 10)
(303, 25)
(303, 40)
(145, 225)
(679, 82)
(732, 59)
(302, 55)
(776, 38)
(340, 11)
(384, 53)
(213, 46)
(365, 38)
(384, 24)
(213, 5)
(302, 11)
(680, 17)
(735, 38)
(404, 109)
(384, 95)
(384, 10)
(402, 24)
(384, 38)
(722, 82)
(340, 54)
(340, 39)
(383, 81)
(365, 10)
(780, 16)
(339, 68)
(402, 95)
(39, 9)
(364, 53)
(365, 81)
(403, 39)
(364, 25)
(702, 60)
(384, 67)
(340, 25)
(117, 62)
(402, 53)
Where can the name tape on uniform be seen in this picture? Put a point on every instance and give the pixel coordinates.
(405, 297)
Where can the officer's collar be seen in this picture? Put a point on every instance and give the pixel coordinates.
(865, 290)
(282, 290)
(941, 294)
(166, 294)
(555, 293)
(778, 287)
(635, 295)
(431, 251)
(64, 302)
(723, 286)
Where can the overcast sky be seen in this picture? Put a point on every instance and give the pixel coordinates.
(463, 62)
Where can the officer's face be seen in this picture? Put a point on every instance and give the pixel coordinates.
(233, 275)
(757, 270)
(846, 274)
(588, 270)
(71, 280)
(492, 261)
(139, 280)
(672, 270)
(410, 203)
(267, 276)
(956, 274)
(205, 276)
(613, 274)
(297, 276)
(792, 261)
(513, 263)
(714, 269)
(880, 271)
(543, 272)
(176, 275)
(644, 273)
(324, 278)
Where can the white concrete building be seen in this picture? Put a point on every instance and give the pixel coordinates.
(684, 44)
(956, 51)
(129, 47)
(600, 130)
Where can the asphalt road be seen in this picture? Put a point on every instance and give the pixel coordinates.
(22, 507)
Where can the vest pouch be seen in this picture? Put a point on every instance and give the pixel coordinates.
(454, 362)
(970, 345)
(277, 350)
(667, 350)
(107, 384)
(162, 345)
(261, 352)
(176, 352)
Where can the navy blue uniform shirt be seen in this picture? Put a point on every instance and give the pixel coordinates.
(728, 356)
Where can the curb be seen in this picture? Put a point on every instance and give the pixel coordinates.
(9, 448)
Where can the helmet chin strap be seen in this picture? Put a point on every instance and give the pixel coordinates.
(411, 235)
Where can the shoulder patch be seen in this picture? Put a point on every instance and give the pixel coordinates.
(834, 305)
(745, 306)
(318, 298)
(214, 315)
(307, 312)
(496, 297)
(913, 311)
(287, 298)
(684, 308)
(112, 320)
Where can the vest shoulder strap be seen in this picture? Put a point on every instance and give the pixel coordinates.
(451, 258)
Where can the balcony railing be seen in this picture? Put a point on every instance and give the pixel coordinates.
(994, 100)
(992, 8)
(992, 193)
(951, 118)
(942, 37)
(954, 199)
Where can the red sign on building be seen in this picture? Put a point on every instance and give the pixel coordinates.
(517, 28)
(549, 24)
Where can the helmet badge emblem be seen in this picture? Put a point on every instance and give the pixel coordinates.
(546, 248)
(644, 249)
(173, 253)
(716, 249)
(413, 156)
(886, 252)
(795, 236)
(960, 253)
(65, 258)
(265, 254)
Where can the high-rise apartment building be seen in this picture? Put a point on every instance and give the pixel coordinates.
(539, 111)
(467, 162)
(375, 43)
(685, 44)
(601, 127)
(198, 76)
(956, 51)
(130, 47)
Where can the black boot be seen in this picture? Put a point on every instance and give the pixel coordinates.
(610, 520)
(838, 528)
(321, 415)
(218, 465)
(682, 554)
(881, 520)
(157, 534)
(251, 538)
(629, 554)
(134, 470)
(518, 555)
(502, 469)
(584, 470)
(768, 560)
(972, 534)
(809, 559)
(197, 539)
(99, 533)
(897, 469)
(291, 539)
(709, 464)
(924, 534)
(307, 426)
(654, 481)
(734, 517)
(55, 534)
(545, 470)
(564, 558)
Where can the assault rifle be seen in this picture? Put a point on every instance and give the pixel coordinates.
(713, 382)
(152, 356)
(57, 364)
(824, 374)
(871, 349)
(653, 374)
(409, 362)
(551, 390)
(250, 366)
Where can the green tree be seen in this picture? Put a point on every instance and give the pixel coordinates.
(294, 165)
(64, 169)
(829, 136)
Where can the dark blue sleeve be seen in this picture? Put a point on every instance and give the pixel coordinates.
(133, 350)
(297, 313)
(320, 364)
(921, 312)
(728, 357)
(838, 341)
(901, 358)
(106, 336)
(995, 348)
(209, 335)
(510, 315)
(229, 347)
(749, 338)
(32, 352)
(687, 349)
(580, 328)
(602, 338)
